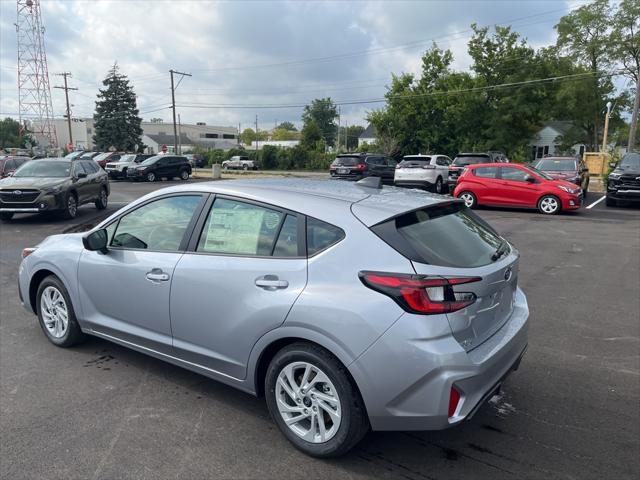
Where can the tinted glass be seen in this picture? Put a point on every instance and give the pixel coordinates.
(101, 156)
(442, 161)
(240, 228)
(461, 161)
(631, 160)
(486, 172)
(78, 168)
(159, 225)
(321, 235)
(151, 161)
(556, 165)
(44, 168)
(449, 235)
(347, 161)
(10, 165)
(408, 162)
(90, 167)
(287, 244)
(127, 158)
(514, 174)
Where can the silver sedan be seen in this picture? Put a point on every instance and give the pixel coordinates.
(348, 306)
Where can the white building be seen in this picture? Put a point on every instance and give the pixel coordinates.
(275, 143)
(368, 136)
(549, 138)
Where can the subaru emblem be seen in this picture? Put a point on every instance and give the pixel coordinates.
(507, 274)
(17, 192)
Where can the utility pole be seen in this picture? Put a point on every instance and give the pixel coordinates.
(173, 105)
(66, 89)
(634, 117)
(179, 136)
(257, 138)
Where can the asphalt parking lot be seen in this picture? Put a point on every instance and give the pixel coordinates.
(572, 410)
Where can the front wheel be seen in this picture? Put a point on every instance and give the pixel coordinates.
(469, 199)
(151, 177)
(6, 216)
(56, 315)
(245, 167)
(438, 187)
(71, 207)
(102, 200)
(184, 175)
(549, 205)
(314, 402)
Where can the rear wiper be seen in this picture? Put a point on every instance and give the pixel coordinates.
(501, 250)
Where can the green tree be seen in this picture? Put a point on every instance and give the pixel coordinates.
(625, 37)
(247, 136)
(10, 134)
(284, 134)
(287, 126)
(324, 113)
(584, 35)
(117, 123)
(311, 135)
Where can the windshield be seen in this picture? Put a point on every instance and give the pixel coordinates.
(540, 173)
(347, 161)
(127, 158)
(631, 160)
(464, 160)
(150, 161)
(44, 168)
(102, 156)
(556, 165)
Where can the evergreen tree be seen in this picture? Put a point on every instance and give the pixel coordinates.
(117, 123)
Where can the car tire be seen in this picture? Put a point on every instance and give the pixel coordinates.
(124, 173)
(53, 305)
(184, 174)
(549, 205)
(245, 167)
(70, 206)
(6, 216)
(438, 187)
(469, 199)
(610, 202)
(340, 396)
(151, 177)
(102, 200)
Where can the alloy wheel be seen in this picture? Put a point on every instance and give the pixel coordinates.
(439, 186)
(549, 205)
(308, 402)
(468, 199)
(55, 314)
(151, 177)
(72, 206)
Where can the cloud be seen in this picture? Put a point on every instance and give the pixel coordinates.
(253, 53)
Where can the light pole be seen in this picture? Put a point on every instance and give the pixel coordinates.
(606, 128)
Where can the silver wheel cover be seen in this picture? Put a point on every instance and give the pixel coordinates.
(549, 205)
(308, 402)
(55, 314)
(72, 206)
(468, 199)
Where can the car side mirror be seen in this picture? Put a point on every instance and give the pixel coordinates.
(96, 241)
(612, 164)
(81, 175)
(529, 179)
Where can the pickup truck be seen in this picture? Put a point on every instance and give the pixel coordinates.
(239, 162)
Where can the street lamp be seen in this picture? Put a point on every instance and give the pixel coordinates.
(606, 128)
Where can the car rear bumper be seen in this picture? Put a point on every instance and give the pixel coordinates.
(406, 380)
(413, 183)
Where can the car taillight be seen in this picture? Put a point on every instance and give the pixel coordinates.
(454, 399)
(421, 294)
(429, 167)
(28, 251)
(360, 166)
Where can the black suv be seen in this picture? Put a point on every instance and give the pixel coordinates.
(464, 159)
(356, 166)
(161, 166)
(624, 182)
(53, 185)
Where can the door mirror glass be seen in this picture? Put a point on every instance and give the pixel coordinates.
(81, 175)
(529, 178)
(96, 241)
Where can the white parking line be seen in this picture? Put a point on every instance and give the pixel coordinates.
(597, 202)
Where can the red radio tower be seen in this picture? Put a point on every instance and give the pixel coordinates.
(34, 93)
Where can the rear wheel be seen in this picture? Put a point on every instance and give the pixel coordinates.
(184, 174)
(55, 313)
(314, 402)
(102, 200)
(6, 216)
(469, 199)
(549, 205)
(438, 187)
(245, 167)
(151, 177)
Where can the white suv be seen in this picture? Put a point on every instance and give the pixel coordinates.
(239, 162)
(423, 171)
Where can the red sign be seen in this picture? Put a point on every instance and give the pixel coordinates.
(69, 147)
(164, 149)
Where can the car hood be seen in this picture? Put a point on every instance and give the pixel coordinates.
(31, 182)
(564, 183)
(627, 170)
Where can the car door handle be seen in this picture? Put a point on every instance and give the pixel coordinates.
(157, 275)
(271, 282)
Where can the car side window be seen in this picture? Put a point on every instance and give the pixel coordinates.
(287, 243)
(374, 160)
(78, 168)
(442, 161)
(513, 174)
(321, 235)
(239, 228)
(159, 225)
(10, 165)
(90, 167)
(486, 172)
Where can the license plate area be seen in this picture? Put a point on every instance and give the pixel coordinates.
(343, 171)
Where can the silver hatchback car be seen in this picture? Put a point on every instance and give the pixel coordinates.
(348, 306)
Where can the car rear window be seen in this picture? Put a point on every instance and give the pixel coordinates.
(462, 160)
(448, 235)
(415, 161)
(347, 161)
(321, 235)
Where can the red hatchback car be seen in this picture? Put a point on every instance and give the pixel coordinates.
(512, 185)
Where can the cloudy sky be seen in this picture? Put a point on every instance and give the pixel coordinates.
(254, 53)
